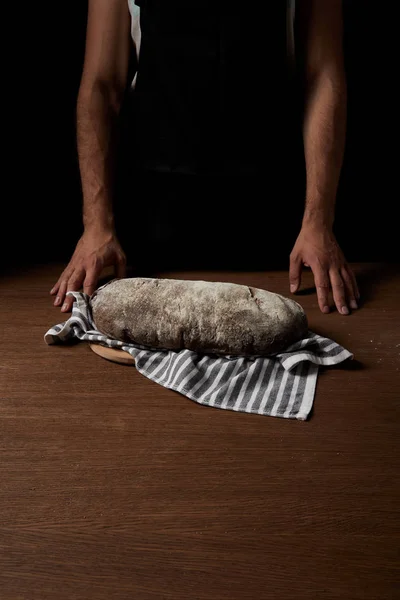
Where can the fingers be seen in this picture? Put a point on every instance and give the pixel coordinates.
(339, 292)
(54, 289)
(69, 281)
(74, 284)
(353, 278)
(295, 273)
(62, 288)
(350, 289)
(344, 289)
(322, 285)
(85, 268)
(91, 279)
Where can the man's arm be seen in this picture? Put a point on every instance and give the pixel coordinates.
(320, 31)
(102, 88)
(103, 85)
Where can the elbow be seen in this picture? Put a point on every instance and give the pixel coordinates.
(109, 93)
(330, 78)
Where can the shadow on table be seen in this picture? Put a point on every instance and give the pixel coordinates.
(347, 365)
(371, 276)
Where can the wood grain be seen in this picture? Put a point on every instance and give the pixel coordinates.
(115, 487)
(119, 356)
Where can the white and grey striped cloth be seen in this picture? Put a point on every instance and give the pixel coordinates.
(282, 385)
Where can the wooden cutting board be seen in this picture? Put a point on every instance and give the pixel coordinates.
(113, 354)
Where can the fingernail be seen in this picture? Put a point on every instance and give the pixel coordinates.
(345, 310)
(293, 288)
(353, 304)
(52, 290)
(325, 309)
(57, 301)
(64, 306)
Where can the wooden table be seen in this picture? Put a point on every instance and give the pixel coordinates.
(115, 487)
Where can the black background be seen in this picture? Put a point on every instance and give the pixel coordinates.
(41, 205)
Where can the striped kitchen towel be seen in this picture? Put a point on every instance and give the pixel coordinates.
(282, 385)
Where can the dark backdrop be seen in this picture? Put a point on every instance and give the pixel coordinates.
(42, 209)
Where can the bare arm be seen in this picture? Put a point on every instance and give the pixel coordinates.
(102, 88)
(101, 91)
(324, 125)
(320, 35)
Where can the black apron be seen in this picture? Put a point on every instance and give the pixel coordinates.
(210, 95)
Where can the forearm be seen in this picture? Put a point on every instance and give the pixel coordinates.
(96, 137)
(324, 130)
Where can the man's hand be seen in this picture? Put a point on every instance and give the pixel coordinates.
(95, 250)
(316, 247)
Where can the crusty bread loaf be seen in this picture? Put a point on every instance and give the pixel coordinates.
(203, 316)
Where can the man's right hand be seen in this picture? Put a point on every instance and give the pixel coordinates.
(95, 250)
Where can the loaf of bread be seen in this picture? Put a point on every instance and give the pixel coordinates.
(206, 317)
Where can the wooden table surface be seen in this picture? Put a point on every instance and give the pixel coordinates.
(115, 487)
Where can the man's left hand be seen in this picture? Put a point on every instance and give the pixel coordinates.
(316, 247)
